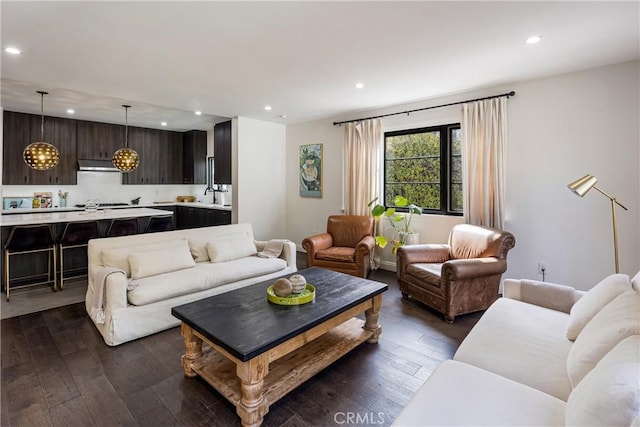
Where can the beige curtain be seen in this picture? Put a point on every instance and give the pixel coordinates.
(484, 133)
(363, 143)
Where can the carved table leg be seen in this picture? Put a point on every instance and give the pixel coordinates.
(371, 319)
(192, 350)
(252, 406)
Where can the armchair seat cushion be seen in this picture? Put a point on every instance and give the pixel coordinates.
(337, 253)
(429, 273)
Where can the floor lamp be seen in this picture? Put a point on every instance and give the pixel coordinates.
(581, 187)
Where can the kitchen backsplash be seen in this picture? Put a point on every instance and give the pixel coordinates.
(107, 187)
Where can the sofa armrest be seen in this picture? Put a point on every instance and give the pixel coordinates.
(461, 269)
(366, 245)
(115, 291)
(288, 250)
(544, 294)
(412, 254)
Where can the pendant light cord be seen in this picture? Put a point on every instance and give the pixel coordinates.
(126, 125)
(42, 94)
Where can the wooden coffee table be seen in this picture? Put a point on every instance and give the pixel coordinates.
(258, 351)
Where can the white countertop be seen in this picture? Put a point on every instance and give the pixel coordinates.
(142, 205)
(53, 217)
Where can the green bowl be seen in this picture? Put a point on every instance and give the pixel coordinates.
(303, 297)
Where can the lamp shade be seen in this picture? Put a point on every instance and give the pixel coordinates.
(582, 185)
(41, 156)
(126, 159)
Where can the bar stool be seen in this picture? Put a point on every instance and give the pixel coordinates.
(30, 239)
(123, 227)
(160, 223)
(76, 235)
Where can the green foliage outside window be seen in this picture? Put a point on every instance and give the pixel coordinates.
(414, 168)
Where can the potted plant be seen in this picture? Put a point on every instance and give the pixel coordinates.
(400, 222)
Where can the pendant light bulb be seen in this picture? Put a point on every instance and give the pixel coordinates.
(126, 159)
(41, 155)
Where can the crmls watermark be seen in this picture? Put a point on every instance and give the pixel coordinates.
(359, 418)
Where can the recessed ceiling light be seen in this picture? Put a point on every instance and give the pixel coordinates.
(198, 113)
(163, 124)
(12, 50)
(267, 107)
(533, 40)
(359, 85)
(71, 111)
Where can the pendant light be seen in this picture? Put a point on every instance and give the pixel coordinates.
(126, 159)
(41, 155)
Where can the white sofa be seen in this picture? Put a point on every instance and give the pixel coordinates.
(518, 366)
(150, 273)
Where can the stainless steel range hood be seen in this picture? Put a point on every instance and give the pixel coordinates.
(97, 166)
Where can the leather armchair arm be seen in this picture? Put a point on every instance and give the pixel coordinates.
(461, 269)
(364, 248)
(317, 242)
(366, 245)
(429, 253)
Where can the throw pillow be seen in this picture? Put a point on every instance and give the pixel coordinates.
(616, 321)
(610, 394)
(198, 247)
(230, 248)
(118, 257)
(165, 260)
(594, 300)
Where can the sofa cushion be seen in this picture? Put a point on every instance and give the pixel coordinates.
(203, 276)
(230, 248)
(523, 342)
(616, 321)
(594, 300)
(151, 263)
(119, 257)
(337, 253)
(609, 395)
(464, 395)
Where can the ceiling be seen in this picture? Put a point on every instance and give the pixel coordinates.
(227, 59)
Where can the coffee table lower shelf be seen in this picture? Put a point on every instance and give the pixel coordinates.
(288, 372)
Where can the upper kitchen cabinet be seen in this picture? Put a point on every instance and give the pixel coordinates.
(195, 157)
(222, 153)
(21, 130)
(98, 141)
(160, 154)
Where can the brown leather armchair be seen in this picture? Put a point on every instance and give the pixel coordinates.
(345, 247)
(460, 277)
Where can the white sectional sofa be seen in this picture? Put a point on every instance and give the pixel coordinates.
(544, 355)
(135, 280)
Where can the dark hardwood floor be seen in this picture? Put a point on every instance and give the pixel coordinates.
(57, 371)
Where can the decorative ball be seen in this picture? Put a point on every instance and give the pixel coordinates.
(282, 287)
(298, 282)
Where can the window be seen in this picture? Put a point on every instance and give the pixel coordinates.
(425, 166)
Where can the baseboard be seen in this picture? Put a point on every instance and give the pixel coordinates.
(388, 265)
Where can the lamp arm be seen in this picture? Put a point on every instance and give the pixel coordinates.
(613, 199)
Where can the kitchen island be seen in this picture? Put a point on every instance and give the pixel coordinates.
(36, 264)
(77, 216)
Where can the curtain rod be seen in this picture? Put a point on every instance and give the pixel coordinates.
(512, 93)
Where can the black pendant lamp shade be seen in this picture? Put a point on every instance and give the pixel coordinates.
(41, 155)
(126, 159)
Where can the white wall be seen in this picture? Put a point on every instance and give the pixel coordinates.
(258, 158)
(560, 128)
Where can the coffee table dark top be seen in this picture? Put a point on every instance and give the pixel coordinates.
(246, 324)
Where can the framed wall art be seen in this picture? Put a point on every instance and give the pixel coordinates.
(311, 170)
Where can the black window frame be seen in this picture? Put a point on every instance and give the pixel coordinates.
(446, 155)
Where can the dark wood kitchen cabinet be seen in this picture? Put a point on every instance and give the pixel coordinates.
(192, 217)
(20, 130)
(146, 143)
(98, 141)
(195, 157)
(222, 153)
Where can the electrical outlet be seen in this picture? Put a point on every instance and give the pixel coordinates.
(542, 268)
